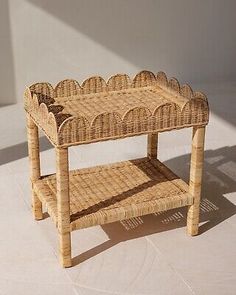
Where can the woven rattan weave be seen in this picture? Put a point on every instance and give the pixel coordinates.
(70, 114)
(121, 191)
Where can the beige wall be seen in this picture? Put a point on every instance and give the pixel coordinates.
(56, 39)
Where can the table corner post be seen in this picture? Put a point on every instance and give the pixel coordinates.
(195, 182)
(34, 159)
(63, 206)
(152, 145)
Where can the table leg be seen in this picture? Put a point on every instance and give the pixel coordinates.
(152, 142)
(34, 158)
(63, 206)
(195, 179)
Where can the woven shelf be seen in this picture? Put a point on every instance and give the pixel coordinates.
(72, 114)
(115, 192)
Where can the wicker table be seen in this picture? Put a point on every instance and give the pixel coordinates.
(71, 114)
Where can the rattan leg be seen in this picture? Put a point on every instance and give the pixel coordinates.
(33, 149)
(63, 207)
(152, 142)
(196, 179)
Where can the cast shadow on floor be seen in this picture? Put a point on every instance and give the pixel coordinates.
(219, 179)
(19, 151)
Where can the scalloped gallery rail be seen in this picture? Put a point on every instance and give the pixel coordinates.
(173, 107)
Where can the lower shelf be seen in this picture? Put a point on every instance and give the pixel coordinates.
(113, 192)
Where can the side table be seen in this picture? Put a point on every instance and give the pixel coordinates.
(70, 115)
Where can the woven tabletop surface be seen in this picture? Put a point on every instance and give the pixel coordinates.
(97, 110)
(117, 191)
(90, 106)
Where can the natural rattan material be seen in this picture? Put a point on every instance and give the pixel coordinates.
(33, 146)
(118, 191)
(71, 114)
(196, 179)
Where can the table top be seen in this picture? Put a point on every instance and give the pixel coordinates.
(97, 110)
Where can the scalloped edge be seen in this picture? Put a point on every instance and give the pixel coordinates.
(116, 82)
(186, 91)
(162, 79)
(45, 85)
(144, 78)
(62, 84)
(117, 116)
(96, 84)
(174, 85)
(90, 85)
(138, 109)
